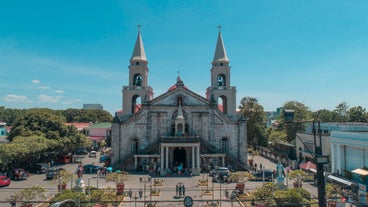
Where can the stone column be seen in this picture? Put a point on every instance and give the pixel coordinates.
(162, 158)
(167, 158)
(193, 164)
(198, 158)
(135, 162)
(223, 161)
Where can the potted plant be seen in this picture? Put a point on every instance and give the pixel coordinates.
(63, 178)
(240, 178)
(27, 195)
(298, 176)
(118, 178)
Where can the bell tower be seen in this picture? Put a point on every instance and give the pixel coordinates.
(221, 88)
(138, 91)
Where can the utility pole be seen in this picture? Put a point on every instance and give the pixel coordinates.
(317, 155)
(320, 161)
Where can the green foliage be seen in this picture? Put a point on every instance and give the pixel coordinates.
(92, 115)
(276, 135)
(69, 194)
(254, 112)
(26, 195)
(25, 151)
(302, 112)
(265, 193)
(293, 174)
(38, 122)
(70, 115)
(116, 177)
(289, 197)
(358, 114)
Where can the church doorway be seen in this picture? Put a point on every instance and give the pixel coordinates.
(180, 157)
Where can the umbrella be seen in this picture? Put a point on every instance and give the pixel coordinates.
(308, 166)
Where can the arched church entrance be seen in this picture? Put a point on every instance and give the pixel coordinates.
(180, 157)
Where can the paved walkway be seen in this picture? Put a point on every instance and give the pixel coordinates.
(168, 196)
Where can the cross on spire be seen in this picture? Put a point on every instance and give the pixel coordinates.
(139, 27)
(219, 27)
(178, 72)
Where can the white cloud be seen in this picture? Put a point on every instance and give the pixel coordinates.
(36, 81)
(47, 98)
(15, 98)
(45, 87)
(59, 91)
(71, 101)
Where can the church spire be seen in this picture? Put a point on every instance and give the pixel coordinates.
(220, 57)
(139, 55)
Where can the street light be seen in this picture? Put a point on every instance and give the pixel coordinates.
(145, 180)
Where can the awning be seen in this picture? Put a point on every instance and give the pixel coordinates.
(308, 166)
(360, 171)
(340, 180)
(97, 138)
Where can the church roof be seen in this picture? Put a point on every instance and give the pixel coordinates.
(138, 53)
(220, 52)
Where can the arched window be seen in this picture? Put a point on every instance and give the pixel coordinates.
(221, 80)
(222, 103)
(137, 80)
(136, 103)
(225, 144)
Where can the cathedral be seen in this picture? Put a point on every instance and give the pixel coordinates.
(178, 129)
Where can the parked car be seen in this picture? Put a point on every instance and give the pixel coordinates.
(220, 174)
(81, 151)
(104, 158)
(52, 172)
(39, 168)
(92, 154)
(90, 169)
(268, 175)
(19, 174)
(4, 181)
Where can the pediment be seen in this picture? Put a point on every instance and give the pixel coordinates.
(188, 98)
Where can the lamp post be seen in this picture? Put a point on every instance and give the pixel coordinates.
(145, 180)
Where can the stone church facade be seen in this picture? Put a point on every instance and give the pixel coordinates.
(178, 129)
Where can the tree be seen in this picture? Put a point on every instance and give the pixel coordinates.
(325, 115)
(276, 135)
(301, 112)
(37, 122)
(358, 114)
(342, 111)
(254, 112)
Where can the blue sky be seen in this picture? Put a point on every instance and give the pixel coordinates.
(62, 54)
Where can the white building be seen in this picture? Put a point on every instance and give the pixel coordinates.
(349, 151)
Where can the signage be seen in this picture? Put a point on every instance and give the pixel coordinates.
(322, 159)
(188, 201)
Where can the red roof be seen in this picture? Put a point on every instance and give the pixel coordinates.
(174, 87)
